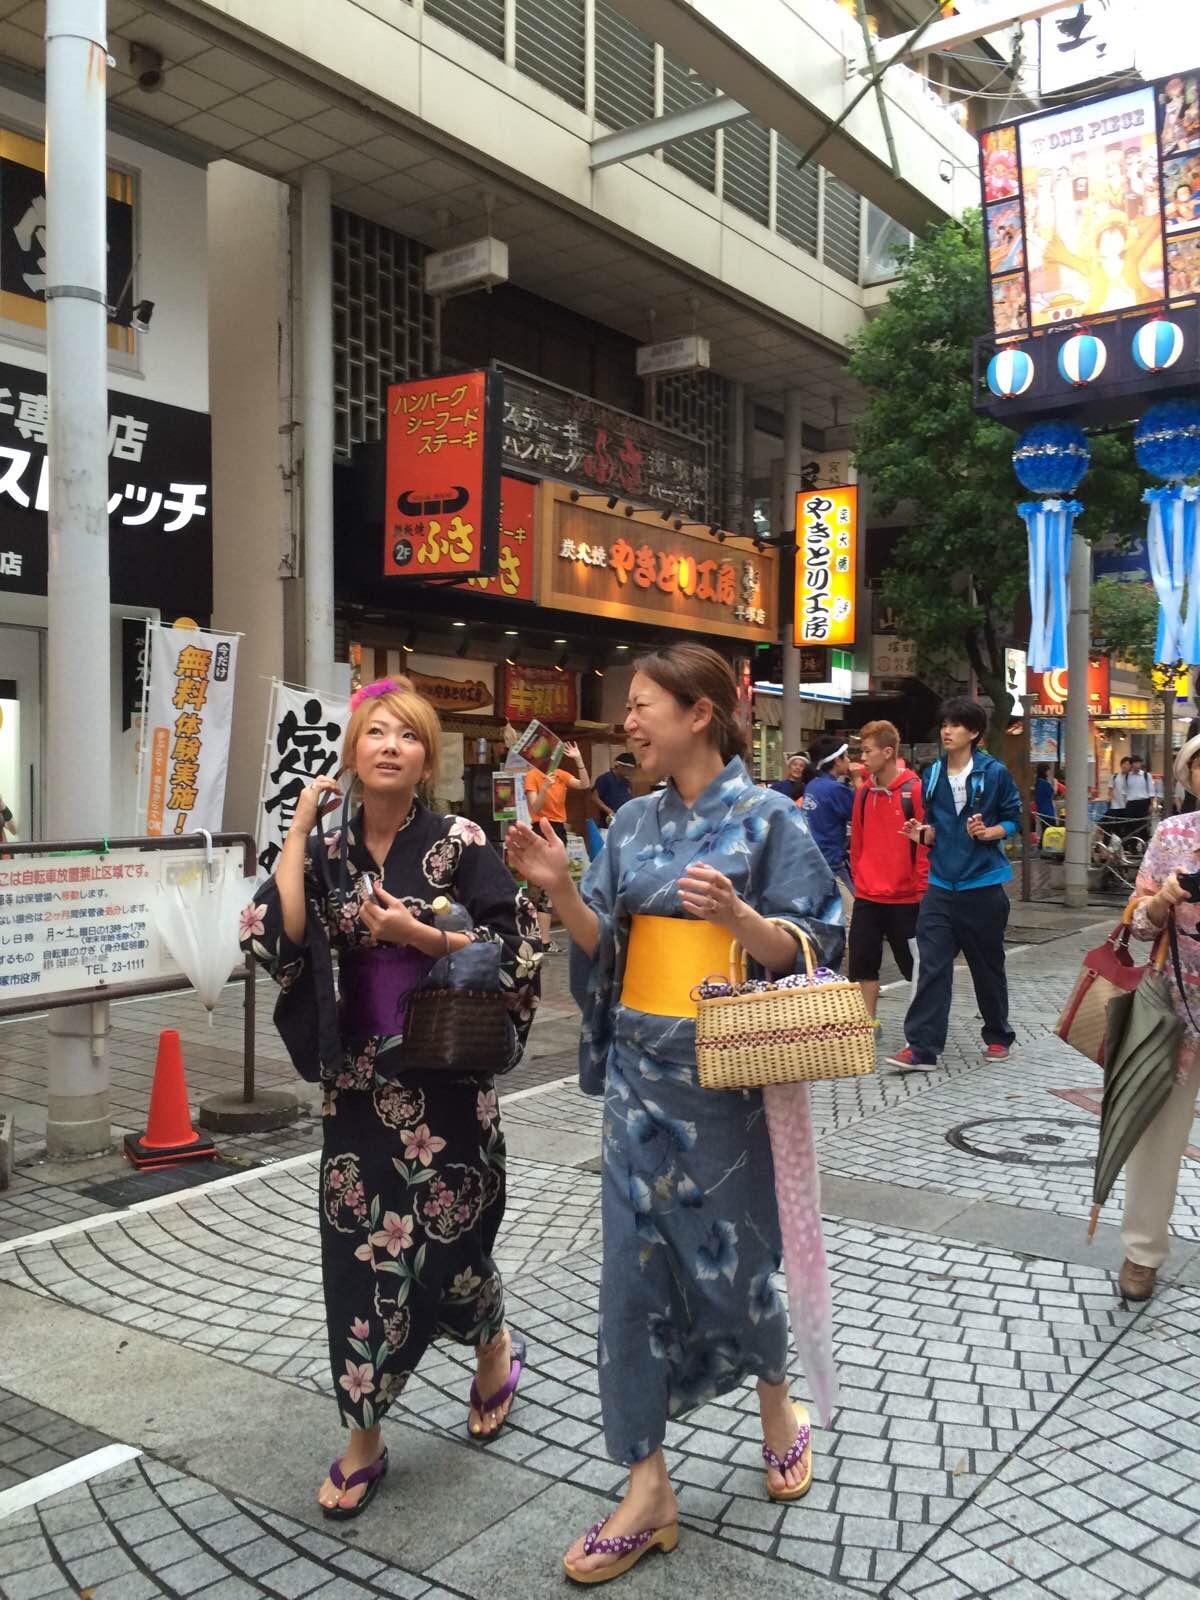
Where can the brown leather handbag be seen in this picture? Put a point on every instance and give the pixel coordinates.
(1108, 970)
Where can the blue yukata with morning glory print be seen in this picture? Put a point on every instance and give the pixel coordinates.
(688, 1309)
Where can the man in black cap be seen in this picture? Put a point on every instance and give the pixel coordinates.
(612, 789)
(793, 784)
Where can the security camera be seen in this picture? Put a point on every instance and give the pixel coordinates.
(146, 65)
(946, 171)
(142, 312)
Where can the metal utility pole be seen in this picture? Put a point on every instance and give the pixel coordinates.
(1078, 732)
(793, 472)
(316, 310)
(78, 712)
(1167, 697)
(1028, 701)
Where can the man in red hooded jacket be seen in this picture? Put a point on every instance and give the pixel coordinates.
(890, 875)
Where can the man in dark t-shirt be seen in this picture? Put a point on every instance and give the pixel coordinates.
(792, 784)
(612, 789)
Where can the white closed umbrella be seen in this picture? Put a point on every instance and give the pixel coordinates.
(197, 918)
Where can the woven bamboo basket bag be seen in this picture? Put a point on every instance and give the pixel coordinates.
(749, 1041)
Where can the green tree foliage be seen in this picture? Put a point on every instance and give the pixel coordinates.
(1125, 622)
(960, 570)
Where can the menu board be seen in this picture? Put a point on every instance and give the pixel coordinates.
(1094, 208)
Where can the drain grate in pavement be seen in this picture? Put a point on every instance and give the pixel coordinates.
(120, 1192)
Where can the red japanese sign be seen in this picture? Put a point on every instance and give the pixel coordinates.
(1051, 689)
(514, 574)
(541, 692)
(442, 512)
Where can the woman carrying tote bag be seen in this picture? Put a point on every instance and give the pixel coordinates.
(688, 1308)
(412, 1166)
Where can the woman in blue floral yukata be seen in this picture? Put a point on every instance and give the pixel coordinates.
(688, 1309)
(412, 1167)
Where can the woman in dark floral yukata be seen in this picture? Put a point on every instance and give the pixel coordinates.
(412, 1168)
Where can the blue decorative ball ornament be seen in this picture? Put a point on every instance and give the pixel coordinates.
(1157, 345)
(1166, 441)
(1009, 373)
(1082, 359)
(1051, 458)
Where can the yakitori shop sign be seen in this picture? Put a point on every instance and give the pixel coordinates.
(639, 570)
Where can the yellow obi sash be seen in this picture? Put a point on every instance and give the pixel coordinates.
(667, 958)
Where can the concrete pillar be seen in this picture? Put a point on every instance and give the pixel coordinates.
(793, 468)
(1078, 728)
(250, 387)
(78, 708)
(748, 443)
(316, 340)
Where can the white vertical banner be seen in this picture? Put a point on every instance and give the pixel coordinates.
(187, 728)
(303, 742)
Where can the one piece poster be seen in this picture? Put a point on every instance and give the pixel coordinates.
(1006, 241)
(1093, 230)
(1179, 113)
(1183, 264)
(1010, 310)
(1000, 164)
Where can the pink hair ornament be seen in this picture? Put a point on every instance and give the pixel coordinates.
(373, 691)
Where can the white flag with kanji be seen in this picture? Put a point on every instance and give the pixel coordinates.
(187, 730)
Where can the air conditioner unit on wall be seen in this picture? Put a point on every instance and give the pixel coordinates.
(477, 265)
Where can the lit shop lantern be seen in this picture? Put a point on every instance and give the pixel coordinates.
(1009, 373)
(1082, 359)
(1167, 444)
(1050, 460)
(1158, 345)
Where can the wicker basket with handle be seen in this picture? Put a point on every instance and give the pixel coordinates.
(748, 1041)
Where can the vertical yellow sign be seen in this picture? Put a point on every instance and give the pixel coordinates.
(826, 565)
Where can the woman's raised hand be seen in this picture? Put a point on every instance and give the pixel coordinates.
(320, 797)
(540, 857)
(385, 917)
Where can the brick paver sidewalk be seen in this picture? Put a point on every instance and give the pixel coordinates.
(1007, 1427)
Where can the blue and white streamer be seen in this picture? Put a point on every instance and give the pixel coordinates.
(1174, 553)
(1050, 524)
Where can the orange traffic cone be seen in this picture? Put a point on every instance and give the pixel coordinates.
(169, 1137)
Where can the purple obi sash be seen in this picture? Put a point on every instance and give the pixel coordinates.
(376, 985)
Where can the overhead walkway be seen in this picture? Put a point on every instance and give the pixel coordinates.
(786, 62)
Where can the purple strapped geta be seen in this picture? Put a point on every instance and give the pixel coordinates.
(798, 1446)
(376, 986)
(623, 1545)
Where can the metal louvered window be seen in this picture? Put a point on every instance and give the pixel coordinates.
(552, 45)
(747, 169)
(695, 156)
(624, 70)
(480, 20)
(843, 228)
(797, 196)
(385, 327)
(701, 405)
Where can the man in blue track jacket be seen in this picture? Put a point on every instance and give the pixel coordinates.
(971, 808)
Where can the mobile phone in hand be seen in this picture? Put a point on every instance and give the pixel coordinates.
(371, 884)
(1190, 882)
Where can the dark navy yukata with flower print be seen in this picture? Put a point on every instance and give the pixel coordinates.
(412, 1167)
(688, 1309)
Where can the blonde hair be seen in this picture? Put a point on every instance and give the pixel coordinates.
(881, 734)
(400, 699)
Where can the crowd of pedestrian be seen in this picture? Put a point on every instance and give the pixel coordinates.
(426, 921)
